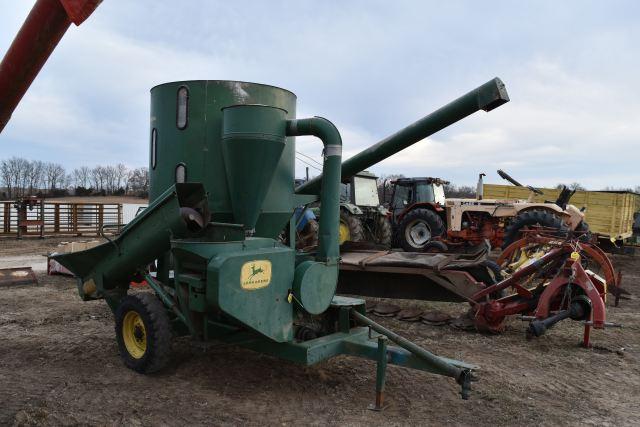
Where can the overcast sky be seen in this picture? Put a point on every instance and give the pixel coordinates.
(372, 67)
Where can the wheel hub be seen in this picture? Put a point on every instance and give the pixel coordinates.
(134, 334)
(343, 232)
(418, 233)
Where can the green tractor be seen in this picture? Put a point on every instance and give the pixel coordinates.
(362, 216)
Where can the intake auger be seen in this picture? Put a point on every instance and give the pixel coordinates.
(222, 189)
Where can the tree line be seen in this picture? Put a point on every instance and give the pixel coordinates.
(20, 177)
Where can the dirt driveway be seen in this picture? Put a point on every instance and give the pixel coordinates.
(59, 365)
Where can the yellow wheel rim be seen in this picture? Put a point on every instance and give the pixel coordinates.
(134, 334)
(343, 232)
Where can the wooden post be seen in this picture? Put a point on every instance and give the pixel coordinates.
(74, 218)
(100, 218)
(119, 216)
(41, 218)
(56, 218)
(6, 221)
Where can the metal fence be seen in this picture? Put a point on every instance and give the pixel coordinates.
(64, 218)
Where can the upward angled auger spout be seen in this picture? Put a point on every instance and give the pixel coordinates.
(490, 95)
(38, 37)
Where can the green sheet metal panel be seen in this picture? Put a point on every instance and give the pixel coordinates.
(198, 145)
(252, 287)
(253, 138)
(144, 239)
(247, 280)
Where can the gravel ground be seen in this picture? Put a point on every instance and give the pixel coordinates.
(59, 364)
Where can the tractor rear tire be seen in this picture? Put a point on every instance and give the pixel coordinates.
(384, 232)
(532, 218)
(583, 230)
(418, 228)
(143, 333)
(308, 237)
(350, 228)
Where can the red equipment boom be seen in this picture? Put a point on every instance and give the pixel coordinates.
(38, 37)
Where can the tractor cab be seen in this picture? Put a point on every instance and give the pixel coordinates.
(409, 191)
(362, 190)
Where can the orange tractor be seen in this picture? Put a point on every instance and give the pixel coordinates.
(425, 220)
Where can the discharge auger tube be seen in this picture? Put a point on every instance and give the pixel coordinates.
(38, 37)
(486, 97)
(328, 243)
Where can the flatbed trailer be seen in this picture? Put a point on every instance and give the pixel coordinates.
(412, 275)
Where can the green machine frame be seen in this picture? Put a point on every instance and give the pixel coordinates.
(221, 157)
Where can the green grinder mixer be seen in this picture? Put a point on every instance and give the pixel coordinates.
(209, 245)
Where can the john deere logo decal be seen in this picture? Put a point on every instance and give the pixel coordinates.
(255, 274)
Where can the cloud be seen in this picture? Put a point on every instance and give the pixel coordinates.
(370, 67)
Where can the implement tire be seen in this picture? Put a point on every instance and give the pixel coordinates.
(143, 333)
(533, 218)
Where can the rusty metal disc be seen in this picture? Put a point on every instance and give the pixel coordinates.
(464, 322)
(385, 309)
(436, 318)
(370, 306)
(411, 314)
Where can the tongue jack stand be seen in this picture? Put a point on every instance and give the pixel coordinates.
(381, 375)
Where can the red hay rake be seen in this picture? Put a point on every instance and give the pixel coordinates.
(548, 280)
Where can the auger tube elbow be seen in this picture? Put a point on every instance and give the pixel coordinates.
(328, 245)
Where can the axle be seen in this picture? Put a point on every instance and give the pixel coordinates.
(579, 309)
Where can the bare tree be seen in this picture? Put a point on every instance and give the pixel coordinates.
(98, 178)
(54, 175)
(462, 191)
(139, 181)
(21, 177)
(577, 186)
(81, 176)
(23, 170)
(36, 170)
(6, 174)
(110, 179)
(121, 176)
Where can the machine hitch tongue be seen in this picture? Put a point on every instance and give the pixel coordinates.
(437, 364)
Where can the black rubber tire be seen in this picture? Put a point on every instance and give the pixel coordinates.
(583, 230)
(533, 218)
(158, 332)
(489, 273)
(428, 217)
(356, 232)
(308, 237)
(383, 231)
(495, 270)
